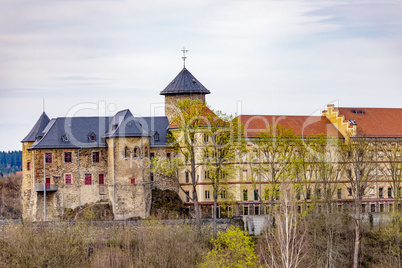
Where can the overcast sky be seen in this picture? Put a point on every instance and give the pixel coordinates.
(273, 57)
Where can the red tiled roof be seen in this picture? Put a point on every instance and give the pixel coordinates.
(301, 125)
(381, 122)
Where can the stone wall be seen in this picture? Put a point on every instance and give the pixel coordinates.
(170, 101)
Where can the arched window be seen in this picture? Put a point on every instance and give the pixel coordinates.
(126, 152)
(136, 151)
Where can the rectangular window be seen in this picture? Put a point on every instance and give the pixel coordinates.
(245, 210)
(318, 194)
(206, 174)
(349, 191)
(132, 180)
(389, 192)
(67, 157)
(101, 179)
(363, 208)
(95, 157)
(298, 194)
(48, 158)
(88, 179)
(28, 165)
(67, 179)
(245, 195)
(207, 194)
(372, 208)
(339, 193)
(380, 192)
(256, 196)
(308, 194)
(256, 210)
(206, 138)
(223, 194)
(187, 177)
(168, 155)
(152, 155)
(152, 176)
(187, 196)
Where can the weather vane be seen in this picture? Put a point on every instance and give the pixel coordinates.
(184, 56)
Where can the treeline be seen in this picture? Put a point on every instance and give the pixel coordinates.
(10, 162)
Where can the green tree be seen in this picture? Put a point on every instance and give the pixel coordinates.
(224, 143)
(233, 248)
(276, 151)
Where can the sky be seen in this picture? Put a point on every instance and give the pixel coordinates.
(90, 57)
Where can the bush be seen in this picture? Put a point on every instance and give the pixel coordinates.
(233, 248)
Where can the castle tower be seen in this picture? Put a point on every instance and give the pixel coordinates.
(183, 86)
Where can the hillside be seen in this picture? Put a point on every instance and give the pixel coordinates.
(10, 197)
(10, 162)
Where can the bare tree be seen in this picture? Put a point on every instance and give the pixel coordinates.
(285, 243)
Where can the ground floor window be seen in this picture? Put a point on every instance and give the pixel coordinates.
(101, 179)
(245, 210)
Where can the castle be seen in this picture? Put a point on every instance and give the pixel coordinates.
(75, 161)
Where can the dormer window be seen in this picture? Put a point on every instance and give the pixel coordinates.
(114, 126)
(156, 136)
(64, 137)
(38, 138)
(91, 136)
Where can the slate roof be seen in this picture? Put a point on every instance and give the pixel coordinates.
(76, 132)
(375, 122)
(185, 83)
(38, 128)
(302, 125)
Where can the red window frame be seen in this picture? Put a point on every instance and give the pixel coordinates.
(68, 157)
(88, 179)
(132, 181)
(95, 157)
(48, 158)
(101, 179)
(28, 165)
(68, 178)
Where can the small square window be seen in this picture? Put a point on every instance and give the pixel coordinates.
(101, 179)
(88, 179)
(95, 157)
(132, 181)
(67, 179)
(67, 157)
(48, 158)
